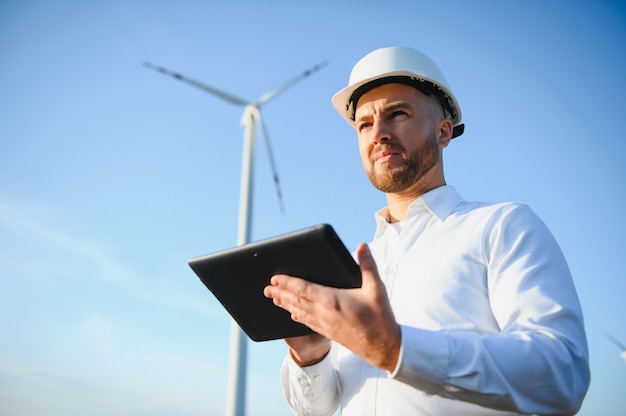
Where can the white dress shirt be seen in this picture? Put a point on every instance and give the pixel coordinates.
(489, 320)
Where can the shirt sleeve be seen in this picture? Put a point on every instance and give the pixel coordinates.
(538, 363)
(312, 390)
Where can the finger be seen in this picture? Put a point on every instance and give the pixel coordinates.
(305, 301)
(369, 271)
(268, 292)
(288, 293)
(280, 279)
(300, 287)
(276, 285)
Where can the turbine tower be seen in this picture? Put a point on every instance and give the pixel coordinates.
(251, 122)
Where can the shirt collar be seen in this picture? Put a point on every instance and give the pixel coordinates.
(440, 202)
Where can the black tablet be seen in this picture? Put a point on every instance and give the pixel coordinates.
(237, 276)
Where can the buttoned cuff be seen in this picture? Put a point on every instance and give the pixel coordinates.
(313, 378)
(311, 390)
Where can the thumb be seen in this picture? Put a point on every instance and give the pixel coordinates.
(369, 271)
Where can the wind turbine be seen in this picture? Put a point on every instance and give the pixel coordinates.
(618, 344)
(251, 122)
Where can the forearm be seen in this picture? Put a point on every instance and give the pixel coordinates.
(524, 372)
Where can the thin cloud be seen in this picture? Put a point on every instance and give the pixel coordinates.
(63, 250)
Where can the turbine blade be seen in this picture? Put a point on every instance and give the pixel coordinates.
(270, 153)
(615, 341)
(271, 94)
(228, 97)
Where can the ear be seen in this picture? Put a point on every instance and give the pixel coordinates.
(444, 132)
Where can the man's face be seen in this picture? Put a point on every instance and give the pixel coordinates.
(397, 131)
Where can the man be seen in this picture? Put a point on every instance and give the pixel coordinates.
(466, 308)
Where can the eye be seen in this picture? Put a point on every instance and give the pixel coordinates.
(363, 126)
(397, 113)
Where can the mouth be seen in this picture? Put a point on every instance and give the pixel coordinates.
(384, 155)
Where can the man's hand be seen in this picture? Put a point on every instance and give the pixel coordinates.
(309, 349)
(359, 319)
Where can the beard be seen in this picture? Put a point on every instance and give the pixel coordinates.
(413, 168)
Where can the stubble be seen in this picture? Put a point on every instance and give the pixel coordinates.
(413, 168)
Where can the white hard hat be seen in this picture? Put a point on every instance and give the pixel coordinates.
(397, 65)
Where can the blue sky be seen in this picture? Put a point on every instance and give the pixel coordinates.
(112, 175)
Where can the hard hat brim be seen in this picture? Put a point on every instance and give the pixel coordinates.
(341, 100)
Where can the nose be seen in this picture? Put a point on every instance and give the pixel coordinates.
(380, 132)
